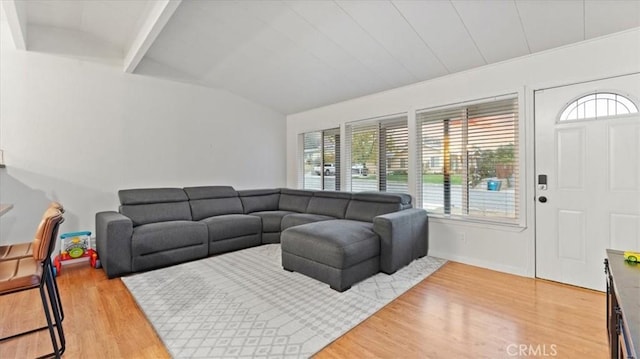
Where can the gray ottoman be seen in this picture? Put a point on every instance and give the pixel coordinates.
(337, 252)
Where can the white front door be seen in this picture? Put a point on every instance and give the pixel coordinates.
(592, 169)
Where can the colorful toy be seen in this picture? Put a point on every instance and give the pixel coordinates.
(75, 247)
(95, 261)
(632, 257)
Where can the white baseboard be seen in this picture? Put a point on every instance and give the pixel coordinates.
(521, 271)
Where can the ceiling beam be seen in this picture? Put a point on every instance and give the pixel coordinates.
(16, 13)
(158, 17)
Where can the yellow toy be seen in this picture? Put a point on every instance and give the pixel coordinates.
(633, 257)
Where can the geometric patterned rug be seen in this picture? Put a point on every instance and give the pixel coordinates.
(243, 304)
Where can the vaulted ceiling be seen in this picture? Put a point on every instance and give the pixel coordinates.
(298, 55)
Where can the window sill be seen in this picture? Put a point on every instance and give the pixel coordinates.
(477, 223)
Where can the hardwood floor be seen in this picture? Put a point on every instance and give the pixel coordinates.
(460, 311)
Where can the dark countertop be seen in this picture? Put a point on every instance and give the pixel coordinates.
(626, 280)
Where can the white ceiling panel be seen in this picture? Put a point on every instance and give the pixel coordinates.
(293, 55)
(270, 88)
(305, 36)
(56, 13)
(304, 78)
(282, 54)
(150, 67)
(115, 22)
(308, 85)
(549, 24)
(201, 35)
(273, 40)
(238, 66)
(387, 26)
(333, 22)
(495, 27)
(606, 17)
(454, 48)
(183, 46)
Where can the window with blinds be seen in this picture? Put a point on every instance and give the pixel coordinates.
(378, 155)
(469, 160)
(321, 160)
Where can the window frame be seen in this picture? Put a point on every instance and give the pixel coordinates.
(335, 131)
(519, 222)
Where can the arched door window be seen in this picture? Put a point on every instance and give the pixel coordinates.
(598, 105)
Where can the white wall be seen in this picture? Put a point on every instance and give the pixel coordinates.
(76, 131)
(501, 248)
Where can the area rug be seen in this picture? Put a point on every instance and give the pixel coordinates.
(243, 304)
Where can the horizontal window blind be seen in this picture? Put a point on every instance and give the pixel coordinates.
(364, 144)
(331, 159)
(312, 160)
(441, 151)
(320, 165)
(378, 155)
(395, 135)
(469, 160)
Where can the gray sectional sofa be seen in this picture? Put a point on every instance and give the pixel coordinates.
(338, 238)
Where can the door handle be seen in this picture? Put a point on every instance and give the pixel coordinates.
(542, 199)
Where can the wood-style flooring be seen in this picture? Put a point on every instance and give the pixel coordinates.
(460, 311)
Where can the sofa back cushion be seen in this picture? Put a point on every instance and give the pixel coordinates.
(150, 205)
(294, 200)
(364, 206)
(329, 203)
(258, 200)
(210, 201)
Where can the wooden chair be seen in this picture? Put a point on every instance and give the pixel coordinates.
(33, 272)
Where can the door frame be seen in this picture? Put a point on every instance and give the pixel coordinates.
(530, 127)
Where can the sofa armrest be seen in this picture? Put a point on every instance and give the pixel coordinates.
(113, 242)
(404, 236)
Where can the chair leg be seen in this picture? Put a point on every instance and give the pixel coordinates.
(55, 303)
(57, 309)
(45, 306)
(56, 306)
(57, 291)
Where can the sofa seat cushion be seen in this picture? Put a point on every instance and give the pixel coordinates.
(232, 226)
(297, 219)
(271, 220)
(336, 243)
(163, 236)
